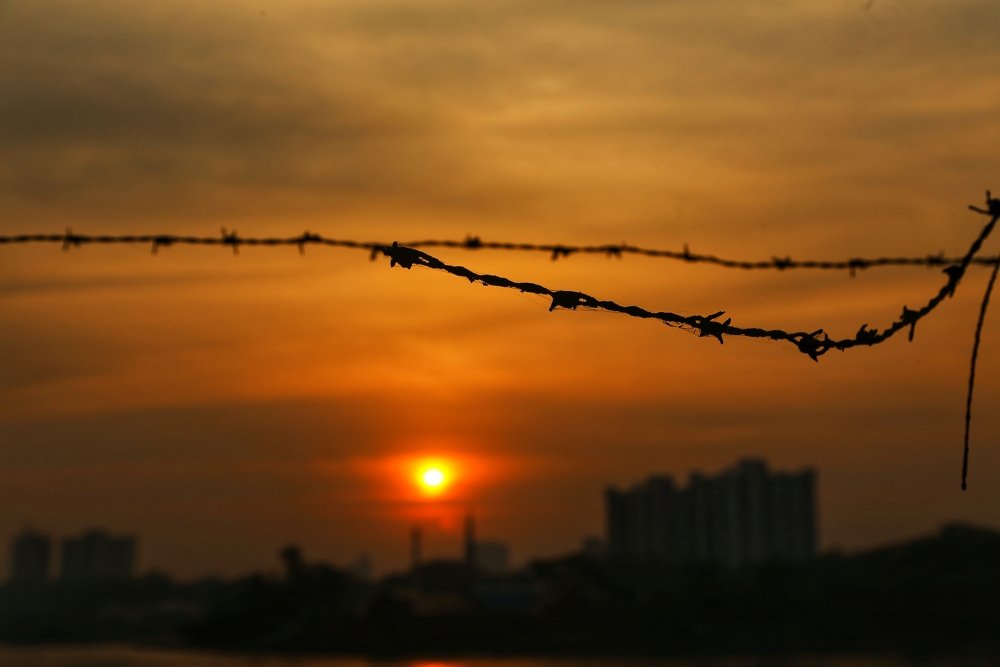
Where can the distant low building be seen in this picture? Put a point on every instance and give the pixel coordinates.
(29, 558)
(97, 557)
(745, 514)
(362, 568)
(593, 547)
(492, 557)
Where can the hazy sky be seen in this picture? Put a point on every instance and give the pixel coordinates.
(221, 407)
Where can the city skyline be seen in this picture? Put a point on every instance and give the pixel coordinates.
(653, 520)
(96, 553)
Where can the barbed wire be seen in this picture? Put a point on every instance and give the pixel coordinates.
(232, 239)
(813, 344)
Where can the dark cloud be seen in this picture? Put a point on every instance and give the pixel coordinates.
(112, 108)
(259, 433)
(114, 282)
(121, 114)
(33, 355)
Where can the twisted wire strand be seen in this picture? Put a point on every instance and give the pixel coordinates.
(814, 344)
(556, 251)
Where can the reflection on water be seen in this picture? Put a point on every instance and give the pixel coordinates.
(128, 657)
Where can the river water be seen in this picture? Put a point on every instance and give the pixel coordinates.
(114, 656)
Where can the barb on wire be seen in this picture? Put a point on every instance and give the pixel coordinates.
(813, 344)
(556, 251)
(231, 239)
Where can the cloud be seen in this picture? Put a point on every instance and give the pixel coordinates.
(494, 109)
(129, 110)
(261, 433)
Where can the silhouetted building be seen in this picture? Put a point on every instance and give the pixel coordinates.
(29, 558)
(745, 514)
(362, 568)
(96, 557)
(492, 557)
(593, 547)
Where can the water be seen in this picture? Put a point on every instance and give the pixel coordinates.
(113, 656)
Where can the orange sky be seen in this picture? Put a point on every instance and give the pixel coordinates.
(221, 407)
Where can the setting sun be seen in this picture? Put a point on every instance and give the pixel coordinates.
(433, 478)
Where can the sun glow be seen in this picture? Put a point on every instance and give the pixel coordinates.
(433, 477)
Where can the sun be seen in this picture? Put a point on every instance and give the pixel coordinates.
(433, 478)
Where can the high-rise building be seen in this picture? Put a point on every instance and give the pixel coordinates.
(29, 558)
(745, 514)
(96, 557)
